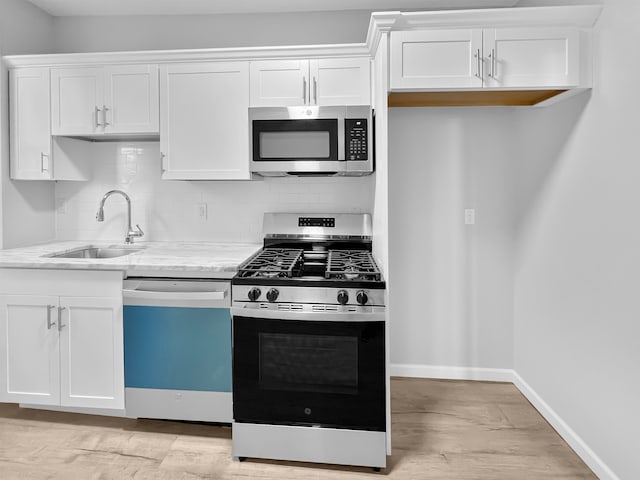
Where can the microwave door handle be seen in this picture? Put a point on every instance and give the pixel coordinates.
(304, 90)
(341, 139)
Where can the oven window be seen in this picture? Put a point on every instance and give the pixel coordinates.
(311, 363)
(283, 145)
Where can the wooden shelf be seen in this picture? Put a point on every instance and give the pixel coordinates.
(482, 98)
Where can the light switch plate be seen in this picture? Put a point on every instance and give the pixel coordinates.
(469, 216)
(201, 211)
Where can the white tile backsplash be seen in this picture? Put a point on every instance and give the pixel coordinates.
(166, 210)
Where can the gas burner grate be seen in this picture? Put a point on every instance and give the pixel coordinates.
(273, 262)
(351, 265)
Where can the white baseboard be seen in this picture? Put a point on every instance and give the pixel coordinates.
(452, 373)
(106, 412)
(588, 456)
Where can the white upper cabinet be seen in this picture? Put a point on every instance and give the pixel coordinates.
(436, 59)
(131, 99)
(340, 81)
(531, 57)
(104, 100)
(30, 128)
(498, 58)
(204, 125)
(327, 81)
(34, 154)
(279, 83)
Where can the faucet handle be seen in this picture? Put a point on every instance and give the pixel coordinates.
(139, 233)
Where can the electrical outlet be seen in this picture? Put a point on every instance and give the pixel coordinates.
(201, 210)
(61, 205)
(469, 216)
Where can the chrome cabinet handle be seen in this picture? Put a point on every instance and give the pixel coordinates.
(104, 116)
(478, 60)
(97, 113)
(44, 162)
(494, 63)
(315, 91)
(304, 90)
(49, 322)
(162, 163)
(491, 60)
(60, 325)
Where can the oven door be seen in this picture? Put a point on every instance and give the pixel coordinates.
(309, 373)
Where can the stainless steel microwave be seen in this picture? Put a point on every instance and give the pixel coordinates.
(311, 140)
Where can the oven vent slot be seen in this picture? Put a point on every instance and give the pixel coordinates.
(324, 308)
(290, 307)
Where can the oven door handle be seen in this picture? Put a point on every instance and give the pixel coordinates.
(371, 316)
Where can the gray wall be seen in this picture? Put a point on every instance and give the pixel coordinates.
(95, 34)
(451, 283)
(27, 207)
(577, 268)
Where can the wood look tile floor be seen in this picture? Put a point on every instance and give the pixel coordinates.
(441, 430)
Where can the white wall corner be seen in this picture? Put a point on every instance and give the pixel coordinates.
(588, 456)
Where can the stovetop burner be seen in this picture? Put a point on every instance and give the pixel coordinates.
(272, 263)
(351, 265)
(290, 263)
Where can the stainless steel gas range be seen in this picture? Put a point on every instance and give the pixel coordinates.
(309, 374)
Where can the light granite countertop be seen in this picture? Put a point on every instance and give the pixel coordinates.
(162, 259)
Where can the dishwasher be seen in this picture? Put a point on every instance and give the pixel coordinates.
(177, 349)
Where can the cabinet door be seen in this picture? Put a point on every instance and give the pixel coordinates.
(436, 59)
(340, 81)
(204, 124)
(531, 57)
(279, 83)
(30, 127)
(131, 99)
(76, 101)
(91, 352)
(29, 349)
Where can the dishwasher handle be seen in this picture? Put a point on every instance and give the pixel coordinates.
(177, 293)
(159, 295)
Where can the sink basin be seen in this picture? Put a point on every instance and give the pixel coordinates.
(97, 252)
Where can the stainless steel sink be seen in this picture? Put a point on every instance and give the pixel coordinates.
(96, 252)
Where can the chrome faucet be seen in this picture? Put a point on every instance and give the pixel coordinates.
(131, 233)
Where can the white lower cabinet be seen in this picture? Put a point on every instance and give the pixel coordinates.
(61, 349)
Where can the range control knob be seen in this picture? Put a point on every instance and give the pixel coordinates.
(361, 297)
(272, 294)
(343, 297)
(254, 294)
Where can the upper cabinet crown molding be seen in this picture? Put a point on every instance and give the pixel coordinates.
(582, 16)
(184, 56)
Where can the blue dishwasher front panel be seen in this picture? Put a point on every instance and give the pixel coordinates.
(177, 348)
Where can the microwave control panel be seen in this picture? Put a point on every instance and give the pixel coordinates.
(356, 140)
